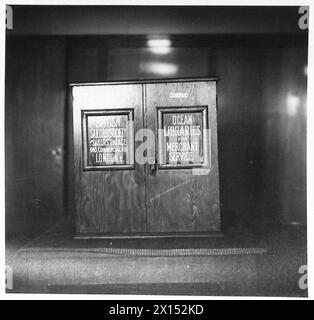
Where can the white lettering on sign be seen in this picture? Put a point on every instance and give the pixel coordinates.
(183, 140)
(107, 139)
(179, 95)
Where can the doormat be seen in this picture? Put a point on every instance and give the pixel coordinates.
(153, 252)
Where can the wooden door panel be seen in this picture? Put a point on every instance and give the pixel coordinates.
(182, 199)
(108, 200)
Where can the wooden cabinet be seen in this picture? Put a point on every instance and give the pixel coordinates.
(145, 158)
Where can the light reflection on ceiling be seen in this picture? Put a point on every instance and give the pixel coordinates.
(159, 46)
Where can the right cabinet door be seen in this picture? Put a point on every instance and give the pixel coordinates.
(183, 184)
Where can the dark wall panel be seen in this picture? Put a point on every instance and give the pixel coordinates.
(283, 129)
(262, 133)
(239, 143)
(35, 109)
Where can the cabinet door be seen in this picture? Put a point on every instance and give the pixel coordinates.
(182, 189)
(109, 183)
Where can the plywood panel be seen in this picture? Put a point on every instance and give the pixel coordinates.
(181, 200)
(108, 201)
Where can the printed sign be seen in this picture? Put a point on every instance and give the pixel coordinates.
(178, 95)
(107, 139)
(181, 138)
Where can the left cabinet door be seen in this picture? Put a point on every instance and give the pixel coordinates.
(109, 183)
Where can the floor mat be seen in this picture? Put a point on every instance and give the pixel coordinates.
(154, 252)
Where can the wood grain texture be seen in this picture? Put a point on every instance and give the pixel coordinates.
(178, 200)
(35, 112)
(108, 201)
(137, 201)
